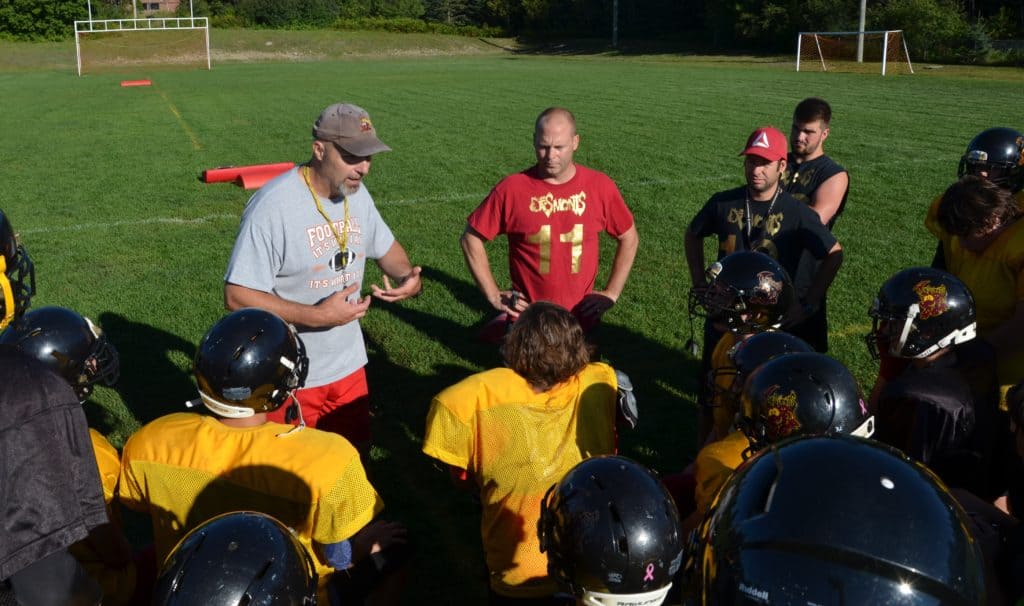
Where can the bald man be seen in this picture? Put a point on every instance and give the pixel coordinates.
(552, 214)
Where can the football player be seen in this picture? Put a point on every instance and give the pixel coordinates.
(77, 350)
(942, 409)
(835, 519)
(243, 557)
(185, 468)
(17, 275)
(611, 534)
(747, 292)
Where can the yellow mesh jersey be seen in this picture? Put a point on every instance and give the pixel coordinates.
(516, 443)
(715, 464)
(994, 276)
(109, 463)
(723, 410)
(184, 469)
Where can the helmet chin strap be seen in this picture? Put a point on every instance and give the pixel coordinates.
(294, 406)
(650, 598)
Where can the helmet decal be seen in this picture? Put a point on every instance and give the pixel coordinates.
(649, 572)
(931, 299)
(780, 413)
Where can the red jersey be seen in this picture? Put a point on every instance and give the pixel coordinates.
(553, 230)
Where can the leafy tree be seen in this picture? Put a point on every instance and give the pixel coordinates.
(934, 29)
(35, 20)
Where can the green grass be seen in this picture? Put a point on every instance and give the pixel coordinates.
(101, 182)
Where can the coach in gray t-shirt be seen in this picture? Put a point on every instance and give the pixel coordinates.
(300, 253)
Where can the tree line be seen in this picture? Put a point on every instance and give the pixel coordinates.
(936, 30)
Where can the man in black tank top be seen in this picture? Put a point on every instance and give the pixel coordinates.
(819, 182)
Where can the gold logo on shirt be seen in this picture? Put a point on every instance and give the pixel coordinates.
(548, 204)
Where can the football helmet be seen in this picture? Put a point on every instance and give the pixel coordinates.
(17, 275)
(835, 520)
(746, 355)
(238, 558)
(802, 393)
(749, 291)
(69, 343)
(919, 311)
(249, 362)
(612, 533)
(999, 152)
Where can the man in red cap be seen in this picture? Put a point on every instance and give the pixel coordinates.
(300, 253)
(762, 217)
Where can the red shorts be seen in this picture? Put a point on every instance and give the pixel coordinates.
(341, 407)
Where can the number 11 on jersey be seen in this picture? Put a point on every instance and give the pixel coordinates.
(543, 239)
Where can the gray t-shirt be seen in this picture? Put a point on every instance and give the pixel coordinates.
(285, 247)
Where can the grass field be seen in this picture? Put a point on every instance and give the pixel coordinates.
(102, 184)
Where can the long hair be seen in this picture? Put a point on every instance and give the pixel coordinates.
(545, 346)
(974, 203)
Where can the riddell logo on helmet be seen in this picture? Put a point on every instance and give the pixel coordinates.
(759, 595)
(931, 299)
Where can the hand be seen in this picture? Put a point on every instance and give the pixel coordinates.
(409, 286)
(511, 302)
(337, 310)
(593, 306)
(377, 536)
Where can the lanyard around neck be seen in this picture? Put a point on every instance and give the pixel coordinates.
(764, 221)
(341, 239)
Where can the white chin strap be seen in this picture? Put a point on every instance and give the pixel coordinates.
(651, 598)
(866, 429)
(226, 410)
(962, 335)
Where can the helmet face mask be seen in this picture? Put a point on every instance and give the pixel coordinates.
(17, 275)
(250, 362)
(747, 291)
(611, 532)
(998, 155)
(70, 344)
(918, 312)
(746, 355)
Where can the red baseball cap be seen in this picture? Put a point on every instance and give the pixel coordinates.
(768, 143)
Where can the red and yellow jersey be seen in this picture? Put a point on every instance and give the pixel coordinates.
(715, 464)
(995, 276)
(553, 230)
(515, 444)
(184, 469)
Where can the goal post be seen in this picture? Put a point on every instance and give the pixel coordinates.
(884, 51)
(154, 41)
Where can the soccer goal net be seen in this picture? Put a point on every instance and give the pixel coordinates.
(884, 51)
(111, 44)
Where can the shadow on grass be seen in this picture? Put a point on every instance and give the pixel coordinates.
(628, 47)
(151, 383)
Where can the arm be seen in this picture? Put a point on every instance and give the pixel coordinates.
(625, 253)
(829, 195)
(479, 266)
(331, 311)
(694, 245)
(395, 264)
(827, 271)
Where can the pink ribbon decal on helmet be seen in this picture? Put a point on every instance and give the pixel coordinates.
(650, 573)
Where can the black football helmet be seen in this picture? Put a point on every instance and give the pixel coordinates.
(612, 533)
(919, 311)
(238, 558)
(800, 394)
(69, 343)
(998, 152)
(17, 275)
(749, 291)
(249, 362)
(835, 520)
(746, 355)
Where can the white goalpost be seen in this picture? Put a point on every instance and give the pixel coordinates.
(853, 51)
(106, 43)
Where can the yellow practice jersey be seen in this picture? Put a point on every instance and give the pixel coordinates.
(109, 464)
(995, 276)
(185, 468)
(515, 444)
(715, 464)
